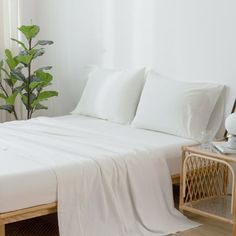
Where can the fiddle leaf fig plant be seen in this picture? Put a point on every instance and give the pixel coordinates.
(17, 78)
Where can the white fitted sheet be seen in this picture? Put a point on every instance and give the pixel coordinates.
(26, 183)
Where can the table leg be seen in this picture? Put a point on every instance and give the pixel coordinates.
(234, 229)
(181, 200)
(234, 209)
(2, 230)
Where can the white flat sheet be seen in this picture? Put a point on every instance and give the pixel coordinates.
(25, 182)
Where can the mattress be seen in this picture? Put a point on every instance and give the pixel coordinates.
(26, 183)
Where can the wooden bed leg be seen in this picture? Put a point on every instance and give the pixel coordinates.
(2, 230)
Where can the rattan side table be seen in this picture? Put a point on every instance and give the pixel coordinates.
(207, 184)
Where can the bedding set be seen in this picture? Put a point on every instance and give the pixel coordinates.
(106, 165)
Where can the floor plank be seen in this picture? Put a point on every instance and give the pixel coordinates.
(47, 226)
(209, 227)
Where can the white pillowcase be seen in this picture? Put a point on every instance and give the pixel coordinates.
(216, 121)
(176, 107)
(111, 94)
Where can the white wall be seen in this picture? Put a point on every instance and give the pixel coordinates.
(190, 39)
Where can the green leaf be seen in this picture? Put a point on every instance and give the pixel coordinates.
(34, 85)
(44, 96)
(18, 75)
(44, 42)
(37, 52)
(8, 108)
(8, 53)
(40, 107)
(11, 61)
(13, 80)
(29, 31)
(42, 79)
(19, 69)
(45, 68)
(19, 89)
(35, 79)
(11, 99)
(2, 96)
(1, 63)
(43, 76)
(20, 43)
(9, 82)
(32, 98)
(47, 94)
(24, 59)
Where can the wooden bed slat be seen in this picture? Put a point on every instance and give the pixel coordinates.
(41, 210)
(28, 213)
(175, 179)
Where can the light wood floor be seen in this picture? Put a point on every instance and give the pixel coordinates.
(47, 226)
(208, 228)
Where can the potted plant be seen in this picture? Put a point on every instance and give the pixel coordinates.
(17, 78)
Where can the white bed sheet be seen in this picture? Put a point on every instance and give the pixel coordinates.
(27, 183)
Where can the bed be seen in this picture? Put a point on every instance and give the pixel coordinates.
(29, 188)
(112, 161)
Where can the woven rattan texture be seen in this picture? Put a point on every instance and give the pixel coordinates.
(204, 178)
(41, 226)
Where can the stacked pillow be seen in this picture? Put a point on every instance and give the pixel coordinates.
(176, 107)
(111, 94)
(170, 106)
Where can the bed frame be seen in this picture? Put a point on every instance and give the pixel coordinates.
(41, 210)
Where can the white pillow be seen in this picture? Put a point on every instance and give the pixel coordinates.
(176, 107)
(111, 94)
(216, 120)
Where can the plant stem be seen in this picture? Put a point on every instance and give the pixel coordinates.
(28, 85)
(6, 94)
(14, 110)
(31, 113)
(5, 71)
(14, 113)
(4, 90)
